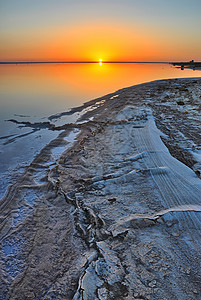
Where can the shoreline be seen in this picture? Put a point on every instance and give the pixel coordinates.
(136, 154)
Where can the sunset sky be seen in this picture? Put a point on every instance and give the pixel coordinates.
(128, 30)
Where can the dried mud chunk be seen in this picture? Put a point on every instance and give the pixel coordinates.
(90, 283)
(183, 89)
(180, 103)
(112, 200)
(103, 294)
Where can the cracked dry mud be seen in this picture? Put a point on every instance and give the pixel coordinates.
(119, 214)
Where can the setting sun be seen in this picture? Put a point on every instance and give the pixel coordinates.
(100, 61)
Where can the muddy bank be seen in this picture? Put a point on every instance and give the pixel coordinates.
(117, 214)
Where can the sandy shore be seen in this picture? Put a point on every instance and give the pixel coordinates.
(117, 215)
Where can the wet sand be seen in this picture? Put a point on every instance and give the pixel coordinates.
(117, 214)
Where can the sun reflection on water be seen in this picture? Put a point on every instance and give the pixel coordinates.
(53, 87)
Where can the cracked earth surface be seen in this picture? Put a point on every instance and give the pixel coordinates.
(118, 215)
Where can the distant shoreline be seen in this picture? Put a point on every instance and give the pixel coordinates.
(184, 64)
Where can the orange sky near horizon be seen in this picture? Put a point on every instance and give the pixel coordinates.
(110, 42)
(90, 42)
(85, 42)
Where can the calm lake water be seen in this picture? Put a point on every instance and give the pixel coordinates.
(45, 89)
(34, 92)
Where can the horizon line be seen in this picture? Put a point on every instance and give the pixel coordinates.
(83, 62)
